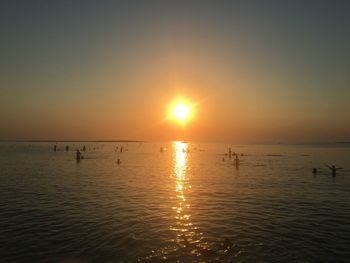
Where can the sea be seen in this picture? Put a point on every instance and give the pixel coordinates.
(173, 202)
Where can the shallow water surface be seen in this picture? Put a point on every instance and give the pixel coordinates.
(173, 202)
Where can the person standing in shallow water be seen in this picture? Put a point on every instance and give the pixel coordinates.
(236, 161)
(333, 169)
(78, 156)
(84, 148)
(55, 147)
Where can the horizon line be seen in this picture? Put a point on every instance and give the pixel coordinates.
(50, 140)
(135, 141)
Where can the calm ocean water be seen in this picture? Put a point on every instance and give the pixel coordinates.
(184, 204)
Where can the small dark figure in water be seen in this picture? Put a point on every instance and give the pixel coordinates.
(67, 148)
(314, 171)
(78, 155)
(84, 148)
(236, 161)
(223, 159)
(55, 148)
(333, 169)
(119, 161)
(121, 149)
(229, 152)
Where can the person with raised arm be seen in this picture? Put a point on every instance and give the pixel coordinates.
(333, 169)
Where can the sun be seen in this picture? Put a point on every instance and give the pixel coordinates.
(181, 111)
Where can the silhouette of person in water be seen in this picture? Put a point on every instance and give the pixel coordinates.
(314, 171)
(55, 147)
(236, 161)
(229, 152)
(78, 155)
(67, 148)
(333, 169)
(84, 148)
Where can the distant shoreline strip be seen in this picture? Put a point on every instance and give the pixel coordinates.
(55, 141)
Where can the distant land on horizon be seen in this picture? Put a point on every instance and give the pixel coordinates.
(138, 141)
(49, 140)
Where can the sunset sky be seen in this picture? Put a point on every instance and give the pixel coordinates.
(257, 71)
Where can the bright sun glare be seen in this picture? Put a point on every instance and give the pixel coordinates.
(181, 111)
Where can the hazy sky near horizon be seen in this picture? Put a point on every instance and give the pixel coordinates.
(261, 71)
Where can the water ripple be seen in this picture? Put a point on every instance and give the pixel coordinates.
(181, 205)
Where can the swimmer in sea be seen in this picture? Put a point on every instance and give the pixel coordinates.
(78, 155)
(333, 169)
(236, 161)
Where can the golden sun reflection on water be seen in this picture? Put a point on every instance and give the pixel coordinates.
(185, 231)
(186, 245)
